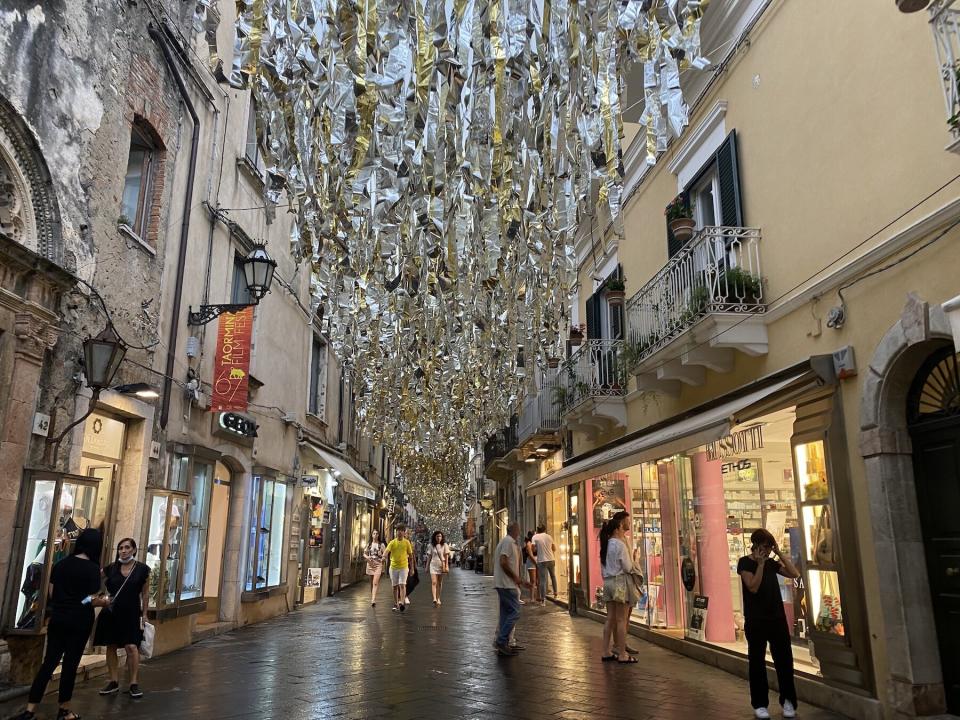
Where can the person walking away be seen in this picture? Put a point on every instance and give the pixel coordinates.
(400, 552)
(72, 594)
(438, 560)
(508, 581)
(374, 557)
(619, 591)
(530, 565)
(545, 550)
(121, 622)
(765, 621)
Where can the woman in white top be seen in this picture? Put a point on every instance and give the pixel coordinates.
(374, 557)
(619, 591)
(438, 559)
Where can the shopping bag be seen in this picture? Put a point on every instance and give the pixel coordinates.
(146, 645)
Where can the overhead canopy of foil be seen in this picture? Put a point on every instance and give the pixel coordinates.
(438, 156)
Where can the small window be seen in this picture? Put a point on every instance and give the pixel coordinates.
(254, 150)
(318, 378)
(138, 183)
(705, 197)
(239, 293)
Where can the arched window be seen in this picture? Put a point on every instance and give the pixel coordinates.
(935, 393)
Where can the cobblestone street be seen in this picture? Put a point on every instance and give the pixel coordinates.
(343, 659)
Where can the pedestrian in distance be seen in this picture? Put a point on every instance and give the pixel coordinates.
(120, 624)
(765, 621)
(374, 557)
(508, 581)
(72, 594)
(545, 553)
(619, 590)
(530, 565)
(438, 560)
(400, 552)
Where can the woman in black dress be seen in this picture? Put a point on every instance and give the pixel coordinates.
(121, 623)
(74, 584)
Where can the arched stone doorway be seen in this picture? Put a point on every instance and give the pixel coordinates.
(914, 684)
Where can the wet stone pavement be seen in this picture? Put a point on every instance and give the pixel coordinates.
(343, 659)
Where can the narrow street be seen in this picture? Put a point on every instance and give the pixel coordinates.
(343, 659)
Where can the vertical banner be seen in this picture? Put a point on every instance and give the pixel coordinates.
(232, 362)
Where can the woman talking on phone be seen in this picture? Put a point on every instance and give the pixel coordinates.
(766, 622)
(72, 595)
(121, 622)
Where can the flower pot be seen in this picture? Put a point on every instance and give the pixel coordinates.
(616, 297)
(682, 229)
(575, 340)
(553, 362)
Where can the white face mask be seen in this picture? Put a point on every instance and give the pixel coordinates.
(126, 561)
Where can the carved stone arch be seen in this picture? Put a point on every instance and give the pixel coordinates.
(914, 686)
(29, 213)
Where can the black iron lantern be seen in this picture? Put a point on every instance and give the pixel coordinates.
(102, 356)
(258, 268)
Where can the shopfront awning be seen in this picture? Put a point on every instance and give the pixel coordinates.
(350, 480)
(670, 439)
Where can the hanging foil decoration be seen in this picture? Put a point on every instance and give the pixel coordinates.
(438, 156)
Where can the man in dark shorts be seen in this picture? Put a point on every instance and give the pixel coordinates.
(766, 622)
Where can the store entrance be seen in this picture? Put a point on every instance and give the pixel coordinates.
(933, 413)
(216, 539)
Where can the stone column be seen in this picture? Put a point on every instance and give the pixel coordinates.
(34, 336)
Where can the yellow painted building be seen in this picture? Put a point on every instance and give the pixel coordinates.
(788, 365)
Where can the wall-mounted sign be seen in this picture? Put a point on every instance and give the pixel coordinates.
(738, 443)
(688, 573)
(231, 365)
(41, 424)
(238, 424)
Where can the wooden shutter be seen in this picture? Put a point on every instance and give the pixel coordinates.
(728, 175)
(594, 330)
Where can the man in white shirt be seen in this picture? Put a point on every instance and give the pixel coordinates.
(546, 560)
(508, 581)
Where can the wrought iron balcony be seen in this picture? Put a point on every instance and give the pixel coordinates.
(591, 385)
(540, 415)
(716, 273)
(500, 444)
(945, 23)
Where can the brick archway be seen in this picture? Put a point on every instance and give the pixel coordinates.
(914, 685)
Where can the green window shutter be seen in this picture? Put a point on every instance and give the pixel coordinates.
(728, 175)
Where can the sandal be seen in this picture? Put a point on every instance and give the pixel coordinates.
(66, 714)
(630, 659)
(609, 658)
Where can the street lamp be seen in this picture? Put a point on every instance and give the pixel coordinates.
(144, 391)
(102, 356)
(258, 269)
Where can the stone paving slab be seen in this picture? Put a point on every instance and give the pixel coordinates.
(344, 660)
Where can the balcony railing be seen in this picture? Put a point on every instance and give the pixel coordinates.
(500, 443)
(595, 370)
(945, 23)
(540, 414)
(718, 271)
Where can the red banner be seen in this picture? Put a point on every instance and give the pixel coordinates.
(232, 363)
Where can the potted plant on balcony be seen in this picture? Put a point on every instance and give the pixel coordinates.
(680, 219)
(742, 286)
(615, 291)
(560, 396)
(576, 335)
(553, 362)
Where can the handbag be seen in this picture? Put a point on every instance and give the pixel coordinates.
(146, 645)
(823, 553)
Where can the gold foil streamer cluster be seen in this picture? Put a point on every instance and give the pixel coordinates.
(438, 155)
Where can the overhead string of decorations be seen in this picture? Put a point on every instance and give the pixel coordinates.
(438, 156)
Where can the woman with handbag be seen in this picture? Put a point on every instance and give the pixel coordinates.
(374, 557)
(121, 622)
(72, 594)
(438, 559)
(619, 590)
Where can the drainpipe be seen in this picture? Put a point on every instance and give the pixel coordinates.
(184, 225)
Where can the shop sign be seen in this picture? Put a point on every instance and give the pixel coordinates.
(356, 489)
(551, 464)
(698, 618)
(609, 497)
(738, 443)
(688, 573)
(231, 367)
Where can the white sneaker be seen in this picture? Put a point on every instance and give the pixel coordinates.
(789, 711)
(761, 713)
(406, 601)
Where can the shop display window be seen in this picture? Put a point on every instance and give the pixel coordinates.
(265, 568)
(177, 532)
(60, 508)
